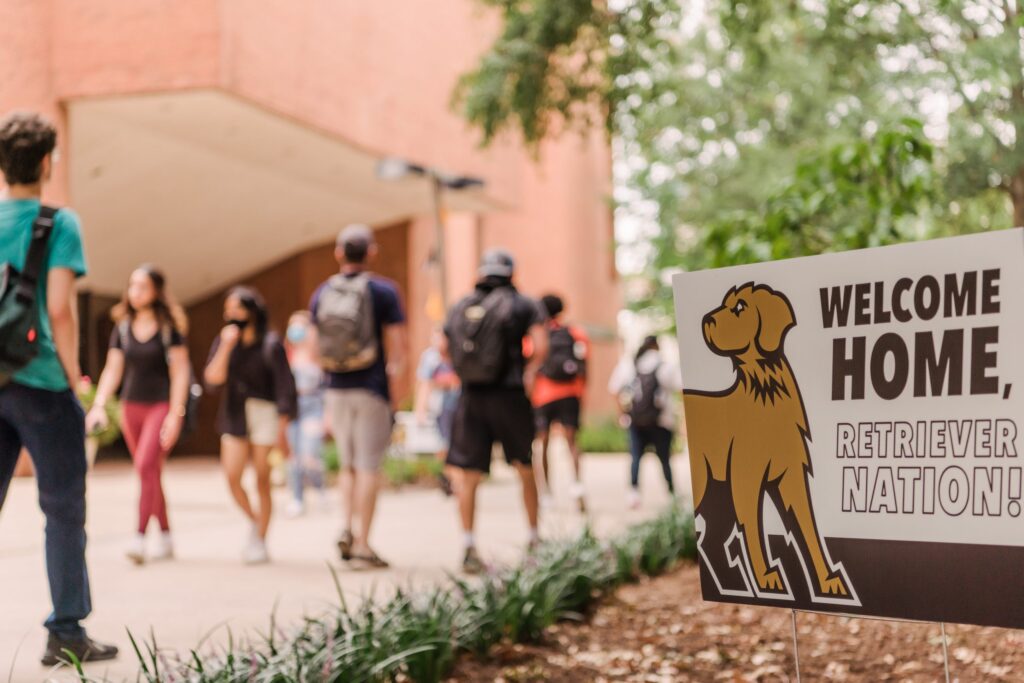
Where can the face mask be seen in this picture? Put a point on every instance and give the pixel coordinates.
(296, 333)
(239, 323)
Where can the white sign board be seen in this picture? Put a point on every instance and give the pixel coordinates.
(854, 429)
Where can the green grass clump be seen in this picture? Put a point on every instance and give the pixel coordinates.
(417, 636)
(603, 436)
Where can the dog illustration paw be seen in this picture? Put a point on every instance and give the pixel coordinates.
(834, 585)
(770, 581)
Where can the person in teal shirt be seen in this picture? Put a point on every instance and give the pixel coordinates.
(39, 410)
(64, 251)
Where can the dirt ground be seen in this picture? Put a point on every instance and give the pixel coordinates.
(661, 631)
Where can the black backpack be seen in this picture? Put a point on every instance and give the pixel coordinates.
(195, 390)
(562, 364)
(19, 314)
(478, 335)
(646, 400)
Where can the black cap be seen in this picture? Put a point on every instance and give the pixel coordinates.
(497, 263)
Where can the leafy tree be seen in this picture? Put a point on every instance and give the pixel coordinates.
(766, 128)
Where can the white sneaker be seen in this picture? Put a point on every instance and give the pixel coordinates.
(547, 501)
(576, 490)
(136, 550)
(256, 552)
(164, 547)
(633, 499)
(295, 508)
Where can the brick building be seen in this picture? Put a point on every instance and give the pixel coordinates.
(229, 140)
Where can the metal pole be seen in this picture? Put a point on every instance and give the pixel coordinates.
(442, 265)
(796, 649)
(945, 650)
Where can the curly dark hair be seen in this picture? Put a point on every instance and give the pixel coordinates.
(553, 304)
(25, 140)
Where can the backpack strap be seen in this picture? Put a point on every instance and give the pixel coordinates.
(42, 228)
(124, 329)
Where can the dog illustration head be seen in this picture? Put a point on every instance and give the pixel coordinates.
(751, 323)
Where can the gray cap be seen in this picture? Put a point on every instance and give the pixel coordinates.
(357, 233)
(497, 263)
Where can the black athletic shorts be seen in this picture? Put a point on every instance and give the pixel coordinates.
(564, 411)
(488, 416)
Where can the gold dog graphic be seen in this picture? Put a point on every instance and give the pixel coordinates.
(753, 436)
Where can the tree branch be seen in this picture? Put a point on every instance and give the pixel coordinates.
(938, 55)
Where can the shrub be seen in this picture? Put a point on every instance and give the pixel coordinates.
(603, 436)
(417, 637)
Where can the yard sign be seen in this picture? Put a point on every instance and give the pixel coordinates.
(853, 423)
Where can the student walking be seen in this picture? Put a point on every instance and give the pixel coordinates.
(437, 396)
(257, 403)
(648, 387)
(41, 256)
(306, 432)
(485, 333)
(558, 394)
(148, 359)
(362, 339)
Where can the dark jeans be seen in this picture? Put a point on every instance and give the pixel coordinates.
(658, 438)
(51, 426)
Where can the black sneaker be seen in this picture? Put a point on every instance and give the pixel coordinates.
(84, 648)
(472, 564)
(345, 545)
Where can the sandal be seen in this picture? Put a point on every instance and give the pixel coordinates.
(369, 561)
(345, 545)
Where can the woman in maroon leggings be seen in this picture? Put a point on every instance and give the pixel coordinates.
(148, 359)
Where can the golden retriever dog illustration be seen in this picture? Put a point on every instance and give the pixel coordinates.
(753, 435)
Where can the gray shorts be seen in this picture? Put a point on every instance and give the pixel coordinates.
(361, 423)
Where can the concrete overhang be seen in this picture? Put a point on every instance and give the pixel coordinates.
(212, 188)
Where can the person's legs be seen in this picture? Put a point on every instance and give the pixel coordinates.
(663, 448)
(296, 480)
(52, 427)
(372, 436)
(10, 450)
(636, 451)
(234, 455)
(529, 495)
(466, 483)
(512, 420)
(261, 463)
(340, 416)
(144, 422)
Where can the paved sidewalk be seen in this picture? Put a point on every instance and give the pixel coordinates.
(208, 592)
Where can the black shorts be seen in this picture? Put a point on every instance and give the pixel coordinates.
(564, 411)
(488, 416)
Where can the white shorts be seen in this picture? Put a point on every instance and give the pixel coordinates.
(262, 422)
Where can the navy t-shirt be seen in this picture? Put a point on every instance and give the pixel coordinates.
(387, 310)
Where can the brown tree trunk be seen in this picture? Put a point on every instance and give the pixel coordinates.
(1017, 195)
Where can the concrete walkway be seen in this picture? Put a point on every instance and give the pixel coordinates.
(208, 593)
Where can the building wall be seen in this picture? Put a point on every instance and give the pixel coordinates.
(377, 74)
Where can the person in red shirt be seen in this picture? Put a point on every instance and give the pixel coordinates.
(558, 392)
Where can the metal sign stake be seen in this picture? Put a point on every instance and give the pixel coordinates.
(945, 650)
(796, 650)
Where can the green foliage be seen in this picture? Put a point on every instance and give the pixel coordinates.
(397, 471)
(404, 471)
(603, 436)
(110, 433)
(754, 129)
(418, 636)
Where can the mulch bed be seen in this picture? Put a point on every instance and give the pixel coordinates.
(661, 631)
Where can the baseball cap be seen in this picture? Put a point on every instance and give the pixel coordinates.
(497, 263)
(356, 234)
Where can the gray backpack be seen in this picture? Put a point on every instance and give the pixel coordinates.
(345, 323)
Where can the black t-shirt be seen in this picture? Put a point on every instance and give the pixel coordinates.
(526, 313)
(147, 377)
(258, 371)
